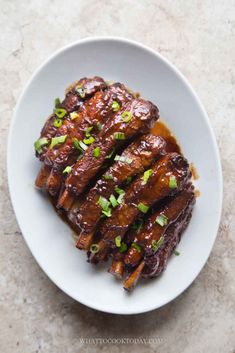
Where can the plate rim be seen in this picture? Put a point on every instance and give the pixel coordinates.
(144, 47)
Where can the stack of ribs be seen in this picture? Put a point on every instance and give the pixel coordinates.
(125, 193)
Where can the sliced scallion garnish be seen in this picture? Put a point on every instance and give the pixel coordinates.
(162, 220)
(89, 140)
(40, 143)
(136, 246)
(107, 213)
(67, 170)
(73, 115)
(58, 139)
(110, 155)
(119, 136)
(77, 144)
(88, 130)
(157, 243)
(123, 159)
(83, 146)
(172, 182)
(176, 253)
(94, 248)
(108, 177)
(81, 91)
(118, 240)
(147, 175)
(104, 203)
(57, 103)
(60, 112)
(58, 122)
(126, 116)
(115, 106)
(123, 248)
(96, 152)
(142, 207)
(113, 201)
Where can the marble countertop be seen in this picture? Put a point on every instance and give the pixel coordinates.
(199, 38)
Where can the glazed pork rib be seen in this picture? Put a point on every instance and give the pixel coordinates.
(138, 156)
(156, 226)
(169, 176)
(135, 118)
(160, 244)
(85, 126)
(76, 94)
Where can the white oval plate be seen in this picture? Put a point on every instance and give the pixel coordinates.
(48, 238)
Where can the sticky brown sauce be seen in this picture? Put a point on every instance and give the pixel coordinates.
(161, 129)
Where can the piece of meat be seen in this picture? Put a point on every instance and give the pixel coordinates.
(92, 114)
(141, 154)
(152, 231)
(142, 115)
(155, 261)
(169, 167)
(73, 100)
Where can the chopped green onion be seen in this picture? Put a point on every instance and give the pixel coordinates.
(40, 143)
(57, 103)
(104, 203)
(123, 159)
(172, 182)
(119, 191)
(80, 90)
(142, 207)
(89, 140)
(82, 145)
(121, 194)
(120, 198)
(73, 115)
(126, 116)
(123, 248)
(58, 122)
(136, 246)
(118, 240)
(107, 213)
(76, 144)
(67, 170)
(96, 152)
(147, 175)
(157, 243)
(56, 140)
(88, 130)
(99, 126)
(94, 248)
(113, 201)
(176, 253)
(128, 180)
(108, 177)
(79, 144)
(119, 136)
(115, 106)
(110, 155)
(162, 220)
(60, 112)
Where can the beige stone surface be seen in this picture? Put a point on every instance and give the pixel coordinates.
(199, 38)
